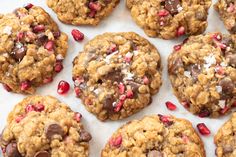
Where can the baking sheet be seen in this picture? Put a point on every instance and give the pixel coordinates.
(120, 20)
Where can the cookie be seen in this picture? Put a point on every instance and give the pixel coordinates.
(42, 126)
(116, 74)
(227, 12)
(169, 19)
(203, 74)
(82, 12)
(155, 136)
(225, 139)
(32, 49)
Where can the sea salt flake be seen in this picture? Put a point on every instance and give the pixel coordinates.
(59, 57)
(187, 74)
(114, 104)
(128, 75)
(223, 64)
(7, 30)
(221, 103)
(179, 8)
(219, 89)
(209, 60)
(135, 52)
(107, 59)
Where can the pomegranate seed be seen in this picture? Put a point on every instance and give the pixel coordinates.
(6, 87)
(128, 57)
(170, 106)
(49, 45)
(39, 107)
(95, 6)
(121, 88)
(77, 35)
(220, 70)
(77, 91)
(20, 36)
(180, 31)
(116, 141)
(29, 108)
(165, 120)
(145, 80)
(47, 80)
(216, 37)
(185, 104)
(38, 28)
(28, 6)
(234, 104)
(112, 48)
(224, 110)
(129, 94)
(221, 45)
(122, 97)
(57, 34)
(202, 128)
(177, 47)
(118, 106)
(92, 13)
(231, 8)
(63, 87)
(204, 113)
(77, 116)
(19, 118)
(58, 67)
(163, 13)
(3, 150)
(25, 85)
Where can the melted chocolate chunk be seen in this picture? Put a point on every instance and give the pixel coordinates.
(115, 76)
(108, 104)
(227, 85)
(177, 63)
(85, 136)
(195, 71)
(42, 154)
(18, 52)
(12, 150)
(173, 6)
(53, 129)
(41, 39)
(154, 153)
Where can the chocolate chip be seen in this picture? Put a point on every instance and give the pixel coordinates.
(134, 85)
(173, 6)
(232, 59)
(18, 52)
(227, 85)
(200, 15)
(41, 39)
(228, 149)
(42, 154)
(175, 65)
(195, 71)
(85, 136)
(108, 103)
(12, 150)
(154, 153)
(53, 129)
(115, 76)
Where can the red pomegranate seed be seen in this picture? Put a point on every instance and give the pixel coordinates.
(24, 85)
(221, 45)
(216, 37)
(95, 6)
(118, 106)
(128, 57)
(77, 35)
(29, 108)
(122, 97)
(63, 87)
(177, 47)
(20, 36)
(129, 94)
(39, 28)
(121, 88)
(116, 141)
(49, 45)
(58, 67)
(220, 70)
(57, 34)
(77, 116)
(28, 6)
(6, 87)
(39, 107)
(231, 8)
(77, 91)
(234, 104)
(145, 80)
(185, 104)
(204, 113)
(47, 80)
(180, 31)
(170, 106)
(19, 118)
(165, 120)
(92, 13)
(163, 13)
(202, 128)
(3, 150)
(112, 49)
(224, 110)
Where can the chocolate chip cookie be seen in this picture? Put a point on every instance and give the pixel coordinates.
(42, 126)
(32, 49)
(225, 139)
(169, 19)
(116, 74)
(227, 12)
(202, 71)
(155, 136)
(82, 12)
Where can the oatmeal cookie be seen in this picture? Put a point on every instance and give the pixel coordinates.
(116, 75)
(155, 136)
(82, 12)
(227, 12)
(168, 19)
(32, 49)
(225, 139)
(203, 74)
(42, 126)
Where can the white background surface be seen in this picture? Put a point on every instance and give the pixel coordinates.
(120, 20)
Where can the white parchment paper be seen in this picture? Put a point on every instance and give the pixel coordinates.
(120, 20)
